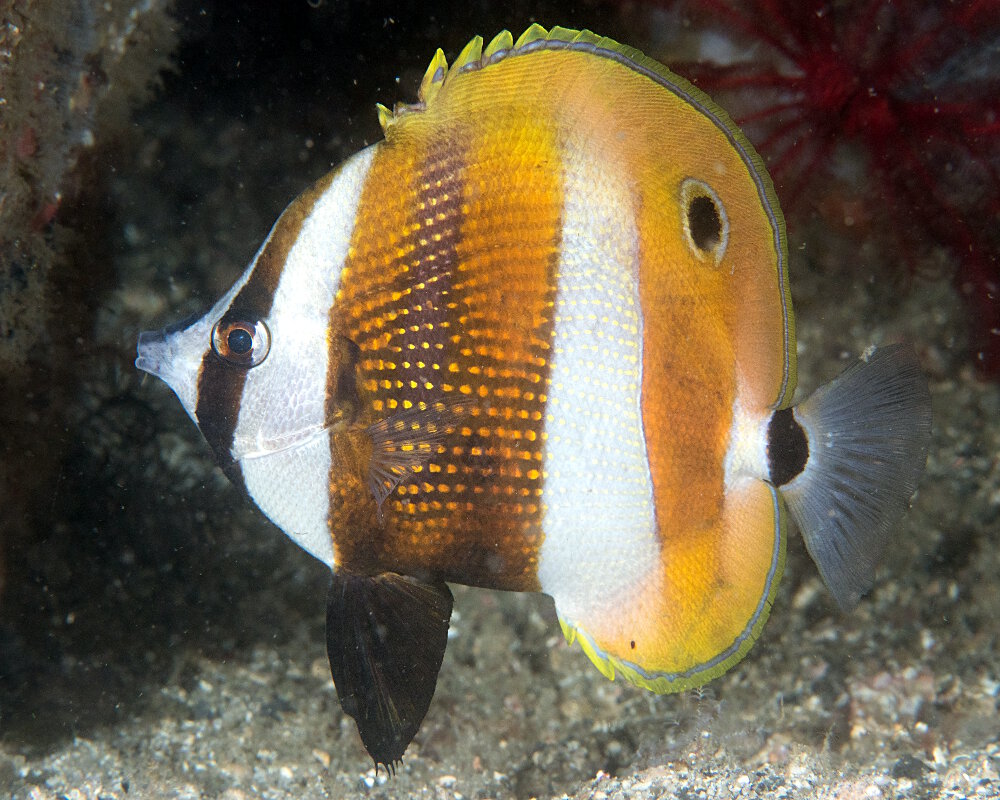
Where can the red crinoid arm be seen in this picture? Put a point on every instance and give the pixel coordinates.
(896, 63)
(769, 111)
(809, 151)
(974, 274)
(749, 25)
(731, 77)
(860, 32)
(779, 133)
(971, 17)
(917, 166)
(809, 168)
(986, 129)
(815, 25)
(940, 111)
(967, 127)
(784, 16)
(976, 13)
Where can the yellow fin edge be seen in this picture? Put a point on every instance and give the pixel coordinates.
(475, 56)
(502, 42)
(658, 683)
(433, 78)
(472, 53)
(665, 683)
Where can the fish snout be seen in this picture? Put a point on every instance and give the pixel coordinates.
(175, 358)
(153, 352)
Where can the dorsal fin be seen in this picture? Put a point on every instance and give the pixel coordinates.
(433, 78)
(501, 43)
(384, 116)
(474, 56)
(472, 53)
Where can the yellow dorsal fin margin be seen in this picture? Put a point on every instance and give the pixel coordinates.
(384, 116)
(433, 78)
(474, 56)
(561, 34)
(501, 43)
(533, 33)
(472, 53)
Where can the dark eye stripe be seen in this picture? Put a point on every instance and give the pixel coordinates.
(220, 385)
(220, 390)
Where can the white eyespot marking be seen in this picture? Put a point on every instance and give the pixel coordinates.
(704, 220)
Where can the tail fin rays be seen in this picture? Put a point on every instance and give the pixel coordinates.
(868, 433)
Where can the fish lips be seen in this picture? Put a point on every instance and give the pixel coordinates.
(174, 355)
(153, 352)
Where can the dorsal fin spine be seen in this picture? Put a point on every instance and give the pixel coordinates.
(587, 37)
(385, 117)
(500, 43)
(533, 33)
(472, 53)
(433, 78)
(561, 34)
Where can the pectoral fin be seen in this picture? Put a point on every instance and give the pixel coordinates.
(407, 440)
(385, 636)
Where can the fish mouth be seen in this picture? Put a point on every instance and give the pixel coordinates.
(169, 356)
(153, 352)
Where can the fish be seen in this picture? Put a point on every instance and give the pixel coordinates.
(539, 338)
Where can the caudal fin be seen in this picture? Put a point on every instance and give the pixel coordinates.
(868, 431)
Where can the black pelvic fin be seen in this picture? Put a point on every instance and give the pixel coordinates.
(385, 636)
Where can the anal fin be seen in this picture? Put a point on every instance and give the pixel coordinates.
(385, 637)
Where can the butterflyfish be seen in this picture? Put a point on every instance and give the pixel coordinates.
(539, 338)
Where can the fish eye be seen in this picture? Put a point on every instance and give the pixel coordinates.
(703, 216)
(241, 342)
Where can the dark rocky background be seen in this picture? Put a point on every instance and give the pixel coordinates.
(158, 638)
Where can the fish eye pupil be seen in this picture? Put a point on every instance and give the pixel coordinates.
(240, 341)
(243, 342)
(704, 220)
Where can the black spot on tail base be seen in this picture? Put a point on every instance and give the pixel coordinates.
(787, 447)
